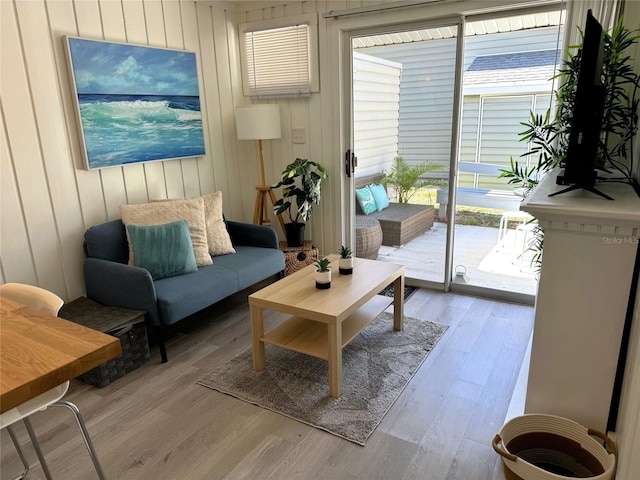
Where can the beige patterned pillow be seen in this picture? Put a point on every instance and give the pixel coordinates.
(191, 210)
(217, 234)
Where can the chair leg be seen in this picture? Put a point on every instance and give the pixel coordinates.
(36, 447)
(20, 453)
(161, 345)
(85, 435)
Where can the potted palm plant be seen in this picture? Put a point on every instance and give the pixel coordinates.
(345, 262)
(323, 274)
(407, 180)
(300, 183)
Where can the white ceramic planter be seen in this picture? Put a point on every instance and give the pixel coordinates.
(345, 266)
(323, 280)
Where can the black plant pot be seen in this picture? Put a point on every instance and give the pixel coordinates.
(295, 234)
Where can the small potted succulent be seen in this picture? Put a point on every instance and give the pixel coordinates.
(323, 274)
(345, 262)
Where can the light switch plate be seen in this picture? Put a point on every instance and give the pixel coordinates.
(298, 135)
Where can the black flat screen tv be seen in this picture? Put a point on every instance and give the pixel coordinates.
(584, 135)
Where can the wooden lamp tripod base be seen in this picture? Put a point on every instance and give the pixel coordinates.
(261, 209)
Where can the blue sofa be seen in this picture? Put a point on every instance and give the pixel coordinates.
(110, 281)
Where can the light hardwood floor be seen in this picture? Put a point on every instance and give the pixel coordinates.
(156, 423)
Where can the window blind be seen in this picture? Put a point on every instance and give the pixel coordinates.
(278, 62)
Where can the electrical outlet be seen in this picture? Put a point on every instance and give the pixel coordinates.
(298, 135)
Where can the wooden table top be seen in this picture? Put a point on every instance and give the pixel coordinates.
(297, 293)
(38, 352)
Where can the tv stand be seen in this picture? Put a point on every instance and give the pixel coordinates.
(589, 188)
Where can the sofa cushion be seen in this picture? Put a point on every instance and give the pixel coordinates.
(181, 296)
(365, 200)
(191, 210)
(380, 196)
(217, 235)
(252, 264)
(163, 250)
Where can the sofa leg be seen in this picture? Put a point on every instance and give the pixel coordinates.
(161, 345)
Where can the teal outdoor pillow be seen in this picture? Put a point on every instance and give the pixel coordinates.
(164, 250)
(366, 200)
(380, 196)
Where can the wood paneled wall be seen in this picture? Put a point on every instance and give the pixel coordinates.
(317, 115)
(48, 199)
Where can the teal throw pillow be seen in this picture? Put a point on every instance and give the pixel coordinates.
(164, 250)
(366, 200)
(380, 196)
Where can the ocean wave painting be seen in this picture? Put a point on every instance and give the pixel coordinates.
(136, 104)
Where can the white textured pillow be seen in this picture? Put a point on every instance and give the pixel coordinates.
(218, 237)
(191, 210)
(217, 234)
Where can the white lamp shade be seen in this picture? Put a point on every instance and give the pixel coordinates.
(258, 122)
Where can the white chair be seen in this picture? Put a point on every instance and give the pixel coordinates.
(521, 217)
(527, 230)
(40, 299)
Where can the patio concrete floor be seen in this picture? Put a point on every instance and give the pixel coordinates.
(502, 266)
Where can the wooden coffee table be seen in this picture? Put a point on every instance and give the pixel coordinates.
(324, 321)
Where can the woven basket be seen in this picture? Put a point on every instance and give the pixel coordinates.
(298, 257)
(127, 325)
(135, 353)
(547, 447)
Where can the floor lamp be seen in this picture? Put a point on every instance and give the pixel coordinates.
(260, 122)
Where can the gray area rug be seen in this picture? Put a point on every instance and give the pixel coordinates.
(377, 366)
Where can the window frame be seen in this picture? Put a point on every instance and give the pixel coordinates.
(311, 20)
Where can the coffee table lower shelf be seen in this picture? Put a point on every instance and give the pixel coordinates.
(311, 338)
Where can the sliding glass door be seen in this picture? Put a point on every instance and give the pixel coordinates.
(440, 105)
(403, 91)
(509, 65)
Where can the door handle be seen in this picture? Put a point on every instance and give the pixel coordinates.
(350, 162)
(347, 163)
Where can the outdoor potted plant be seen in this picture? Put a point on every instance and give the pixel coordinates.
(345, 262)
(406, 179)
(323, 274)
(300, 183)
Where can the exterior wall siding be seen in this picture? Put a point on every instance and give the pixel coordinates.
(490, 126)
(499, 139)
(426, 97)
(376, 102)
